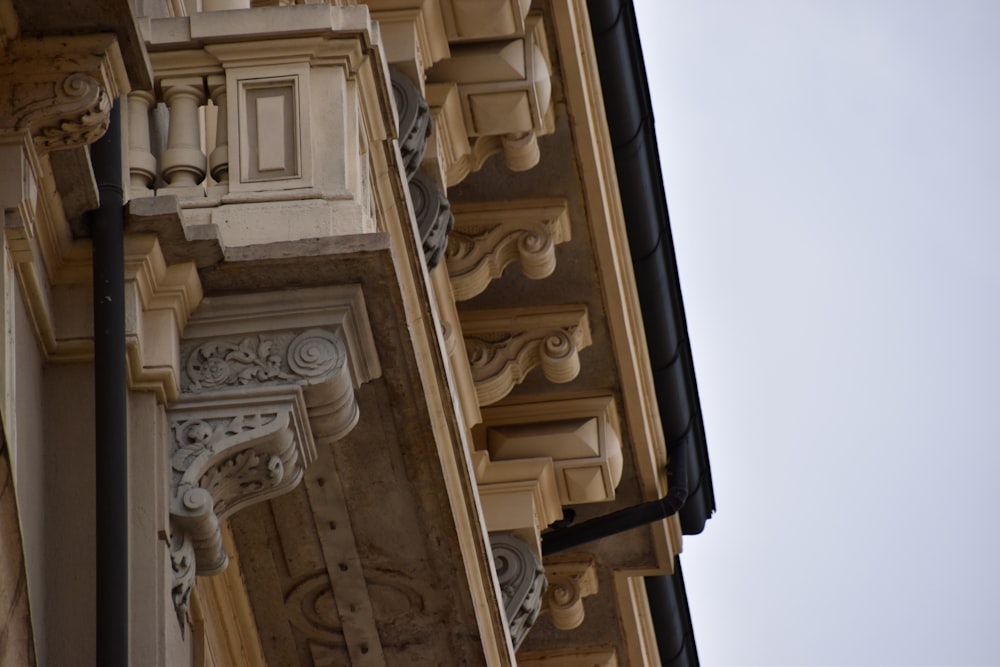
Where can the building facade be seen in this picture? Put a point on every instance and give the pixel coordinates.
(402, 369)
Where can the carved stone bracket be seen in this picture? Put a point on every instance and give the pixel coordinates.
(228, 452)
(570, 580)
(264, 377)
(490, 236)
(434, 218)
(581, 436)
(522, 583)
(505, 91)
(414, 120)
(430, 204)
(505, 345)
(60, 89)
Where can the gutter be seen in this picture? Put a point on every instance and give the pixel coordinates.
(563, 539)
(668, 607)
(629, 113)
(107, 225)
(640, 181)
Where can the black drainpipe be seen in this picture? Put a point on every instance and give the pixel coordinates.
(563, 539)
(107, 225)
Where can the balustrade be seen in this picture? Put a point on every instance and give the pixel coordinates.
(218, 160)
(262, 144)
(183, 163)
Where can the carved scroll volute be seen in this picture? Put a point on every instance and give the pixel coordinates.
(60, 89)
(489, 237)
(414, 120)
(223, 462)
(522, 583)
(434, 217)
(570, 580)
(504, 346)
(244, 430)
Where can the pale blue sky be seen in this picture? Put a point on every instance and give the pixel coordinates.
(833, 178)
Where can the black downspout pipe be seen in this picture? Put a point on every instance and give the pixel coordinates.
(107, 225)
(563, 539)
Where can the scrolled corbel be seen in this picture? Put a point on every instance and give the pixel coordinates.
(489, 236)
(504, 346)
(263, 379)
(570, 581)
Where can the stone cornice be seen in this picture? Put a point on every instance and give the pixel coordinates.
(582, 88)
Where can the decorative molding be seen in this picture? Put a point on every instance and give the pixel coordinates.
(505, 93)
(312, 609)
(60, 88)
(522, 583)
(490, 236)
(505, 345)
(449, 143)
(581, 436)
(451, 327)
(339, 308)
(321, 62)
(518, 496)
(263, 378)
(581, 86)
(414, 37)
(474, 20)
(430, 204)
(570, 580)
(228, 452)
(573, 657)
(434, 218)
(414, 121)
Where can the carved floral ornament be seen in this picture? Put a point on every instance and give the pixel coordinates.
(243, 431)
(259, 359)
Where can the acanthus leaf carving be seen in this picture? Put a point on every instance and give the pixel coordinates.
(66, 103)
(243, 431)
(182, 563)
(262, 359)
(522, 583)
(224, 460)
(504, 346)
(264, 377)
(489, 237)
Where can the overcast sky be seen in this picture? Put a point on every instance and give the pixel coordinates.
(833, 178)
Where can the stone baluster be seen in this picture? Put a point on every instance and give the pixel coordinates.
(141, 161)
(218, 160)
(183, 162)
